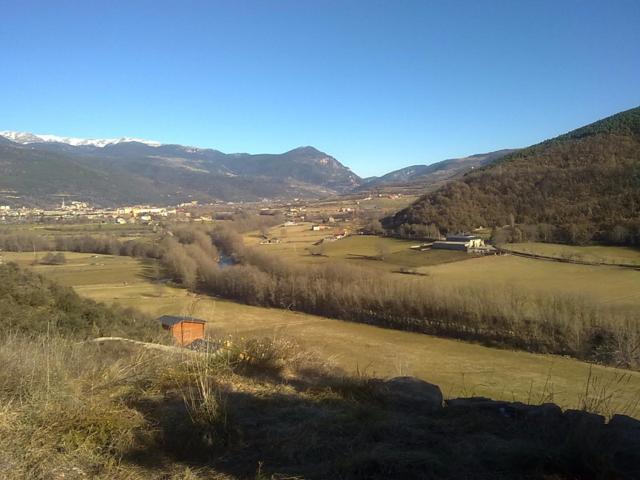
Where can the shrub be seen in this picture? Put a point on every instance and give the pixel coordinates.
(53, 259)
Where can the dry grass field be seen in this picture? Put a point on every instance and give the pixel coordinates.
(84, 269)
(601, 284)
(591, 253)
(57, 229)
(459, 368)
(297, 243)
(372, 203)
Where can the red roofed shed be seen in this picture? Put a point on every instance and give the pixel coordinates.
(184, 329)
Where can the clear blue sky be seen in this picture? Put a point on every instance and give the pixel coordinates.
(377, 84)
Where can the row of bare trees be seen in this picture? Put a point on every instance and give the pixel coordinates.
(560, 323)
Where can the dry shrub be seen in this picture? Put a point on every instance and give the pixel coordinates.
(198, 379)
(267, 355)
(603, 396)
(56, 414)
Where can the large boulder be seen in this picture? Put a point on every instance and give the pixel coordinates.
(411, 393)
(625, 422)
(584, 420)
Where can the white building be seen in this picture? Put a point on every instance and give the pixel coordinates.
(459, 242)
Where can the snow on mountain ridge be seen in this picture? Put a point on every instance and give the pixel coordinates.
(27, 137)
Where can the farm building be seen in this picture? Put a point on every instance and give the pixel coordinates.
(184, 329)
(459, 242)
(270, 241)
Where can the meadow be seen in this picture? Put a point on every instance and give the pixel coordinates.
(460, 368)
(606, 285)
(371, 203)
(588, 253)
(390, 254)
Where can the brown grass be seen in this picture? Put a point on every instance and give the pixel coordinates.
(80, 410)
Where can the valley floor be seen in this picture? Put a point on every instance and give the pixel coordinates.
(459, 368)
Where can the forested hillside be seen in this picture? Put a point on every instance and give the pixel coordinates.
(579, 187)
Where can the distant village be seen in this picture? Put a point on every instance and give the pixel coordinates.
(339, 220)
(76, 211)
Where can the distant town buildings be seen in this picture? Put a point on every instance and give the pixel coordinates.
(76, 211)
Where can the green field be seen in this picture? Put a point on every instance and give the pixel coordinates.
(459, 368)
(591, 253)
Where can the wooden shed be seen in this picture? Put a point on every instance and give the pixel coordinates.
(184, 329)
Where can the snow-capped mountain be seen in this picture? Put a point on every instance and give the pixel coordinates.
(27, 137)
(36, 168)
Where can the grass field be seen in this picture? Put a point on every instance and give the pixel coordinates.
(84, 269)
(591, 253)
(374, 203)
(601, 284)
(362, 250)
(129, 230)
(459, 368)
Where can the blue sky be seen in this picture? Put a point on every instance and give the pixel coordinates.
(377, 84)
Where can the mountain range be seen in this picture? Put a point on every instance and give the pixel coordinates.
(424, 176)
(37, 169)
(587, 180)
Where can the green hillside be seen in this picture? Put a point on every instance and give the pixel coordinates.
(576, 188)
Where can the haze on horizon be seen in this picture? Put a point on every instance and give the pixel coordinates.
(377, 85)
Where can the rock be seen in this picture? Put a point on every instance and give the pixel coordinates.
(584, 419)
(624, 422)
(545, 418)
(519, 409)
(411, 393)
(626, 431)
(470, 402)
(483, 404)
(547, 412)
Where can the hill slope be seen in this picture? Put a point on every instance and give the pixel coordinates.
(106, 172)
(425, 175)
(581, 186)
